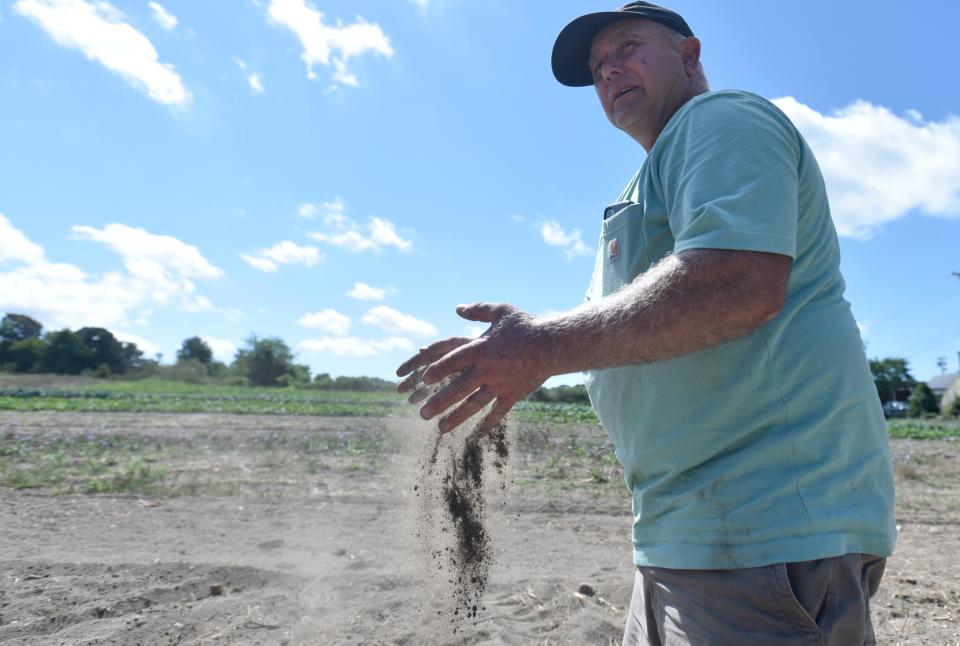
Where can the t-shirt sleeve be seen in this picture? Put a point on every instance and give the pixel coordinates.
(730, 179)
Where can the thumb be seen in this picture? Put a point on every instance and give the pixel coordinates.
(484, 312)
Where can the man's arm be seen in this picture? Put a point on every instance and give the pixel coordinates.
(689, 301)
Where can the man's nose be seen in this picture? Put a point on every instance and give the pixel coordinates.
(610, 69)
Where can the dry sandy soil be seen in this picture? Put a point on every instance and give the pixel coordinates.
(261, 537)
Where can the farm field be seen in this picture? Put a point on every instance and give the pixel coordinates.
(139, 527)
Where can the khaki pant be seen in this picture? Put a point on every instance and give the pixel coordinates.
(816, 603)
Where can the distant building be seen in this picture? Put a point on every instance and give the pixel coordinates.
(946, 387)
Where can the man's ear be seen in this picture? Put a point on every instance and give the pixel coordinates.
(690, 52)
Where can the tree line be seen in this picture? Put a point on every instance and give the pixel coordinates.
(94, 351)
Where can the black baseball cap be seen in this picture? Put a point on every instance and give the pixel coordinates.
(571, 52)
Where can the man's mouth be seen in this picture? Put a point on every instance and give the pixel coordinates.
(622, 91)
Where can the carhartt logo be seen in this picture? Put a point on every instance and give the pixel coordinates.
(613, 248)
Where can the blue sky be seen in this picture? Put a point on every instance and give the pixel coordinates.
(342, 174)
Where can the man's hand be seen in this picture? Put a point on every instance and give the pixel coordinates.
(503, 366)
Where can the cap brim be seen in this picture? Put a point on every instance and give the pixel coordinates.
(571, 51)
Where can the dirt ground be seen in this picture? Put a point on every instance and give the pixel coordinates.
(285, 530)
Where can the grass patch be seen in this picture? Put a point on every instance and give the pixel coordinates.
(924, 429)
(554, 413)
(158, 396)
(82, 464)
(141, 465)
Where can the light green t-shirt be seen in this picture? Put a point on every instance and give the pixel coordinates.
(771, 447)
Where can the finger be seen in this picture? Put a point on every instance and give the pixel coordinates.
(453, 362)
(473, 405)
(419, 393)
(459, 388)
(496, 414)
(431, 353)
(413, 380)
(484, 312)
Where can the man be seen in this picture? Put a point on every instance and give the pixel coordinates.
(720, 355)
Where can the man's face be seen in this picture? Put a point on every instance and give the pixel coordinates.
(639, 75)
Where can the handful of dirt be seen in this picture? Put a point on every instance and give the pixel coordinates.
(452, 528)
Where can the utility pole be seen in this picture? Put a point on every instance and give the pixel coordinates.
(942, 364)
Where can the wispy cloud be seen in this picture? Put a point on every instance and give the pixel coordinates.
(163, 17)
(327, 320)
(159, 272)
(390, 320)
(99, 30)
(333, 212)
(878, 166)
(325, 44)
(571, 242)
(351, 346)
(283, 253)
(345, 233)
(364, 292)
(254, 80)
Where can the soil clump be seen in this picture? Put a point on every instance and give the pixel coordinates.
(453, 511)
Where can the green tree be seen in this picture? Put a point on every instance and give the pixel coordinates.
(322, 381)
(64, 354)
(17, 327)
(923, 401)
(195, 348)
(265, 360)
(27, 354)
(891, 376)
(14, 328)
(104, 349)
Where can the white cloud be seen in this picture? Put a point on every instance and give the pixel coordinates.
(98, 30)
(383, 233)
(149, 252)
(223, 350)
(351, 346)
(343, 232)
(364, 292)
(326, 44)
(390, 320)
(879, 167)
(149, 348)
(159, 263)
(571, 243)
(163, 17)
(159, 273)
(283, 253)
(349, 240)
(327, 320)
(16, 246)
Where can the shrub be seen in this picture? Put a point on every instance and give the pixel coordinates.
(953, 409)
(923, 401)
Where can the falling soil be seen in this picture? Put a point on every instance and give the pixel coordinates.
(462, 504)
